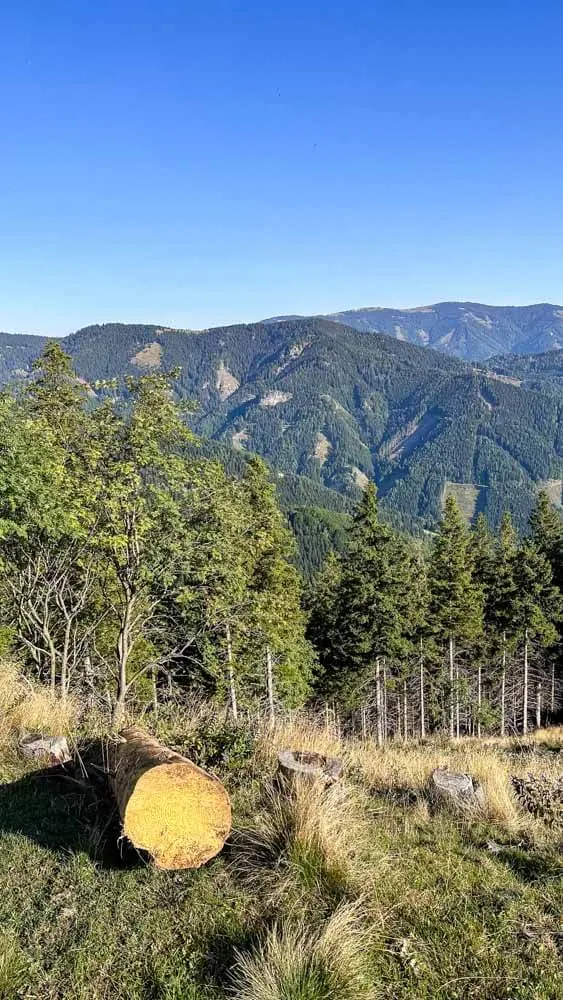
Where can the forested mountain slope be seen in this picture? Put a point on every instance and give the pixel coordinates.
(543, 372)
(338, 406)
(17, 353)
(466, 329)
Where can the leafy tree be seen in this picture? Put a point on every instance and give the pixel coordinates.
(48, 510)
(142, 534)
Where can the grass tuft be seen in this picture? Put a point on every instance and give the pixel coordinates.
(295, 963)
(308, 837)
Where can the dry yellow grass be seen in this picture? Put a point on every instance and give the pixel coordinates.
(301, 732)
(307, 837)
(403, 767)
(29, 708)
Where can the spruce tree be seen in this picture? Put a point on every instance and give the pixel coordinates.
(371, 615)
(502, 610)
(539, 607)
(275, 620)
(546, 532)
(456, 600)
(321, 605)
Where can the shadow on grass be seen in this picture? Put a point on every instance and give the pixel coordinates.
(532, 866)
(67, 809)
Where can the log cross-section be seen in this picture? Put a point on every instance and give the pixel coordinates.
(169, 807)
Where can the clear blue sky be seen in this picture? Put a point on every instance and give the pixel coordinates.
(200, 163)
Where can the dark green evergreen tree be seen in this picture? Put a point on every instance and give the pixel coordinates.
(546, 532)
(371, 613)
(456, 600)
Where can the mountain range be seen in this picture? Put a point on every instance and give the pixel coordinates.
(335, 405)
(468, 330)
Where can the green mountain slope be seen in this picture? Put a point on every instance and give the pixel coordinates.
(542, 372)
(468, 330)
(17, 352)
(335, 405)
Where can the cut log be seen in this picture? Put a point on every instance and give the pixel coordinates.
(311, 766)
(455, 789)
(169, 807)
(53, 749)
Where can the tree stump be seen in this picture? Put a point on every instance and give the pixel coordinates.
(451, 788)
(310, 766)
(169, 807)
(53, 749)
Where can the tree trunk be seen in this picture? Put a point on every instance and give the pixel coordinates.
(422, 719)
(452, 716)
(270, 681)
(525, 687)
(479, 702)
(154, 680)
(503, 688)
(552, 701)
(178, 813)
(405, 710)
(123, 651)
(231, 673)
(538, 706)
(378, 702)
(65, 678)
(384, 699)
(364, 723)
(118, 712)
(398, 717)
(457, 701)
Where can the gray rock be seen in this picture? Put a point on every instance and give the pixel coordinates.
(53, 749)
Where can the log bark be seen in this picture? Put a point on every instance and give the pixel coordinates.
(169, 807)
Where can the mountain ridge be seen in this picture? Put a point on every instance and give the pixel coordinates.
(340, 406)
(470, 330)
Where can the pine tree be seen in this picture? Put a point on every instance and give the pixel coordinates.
(546, 532)
(456, 601)
(502, 610)
(275, 620)
(371, 618)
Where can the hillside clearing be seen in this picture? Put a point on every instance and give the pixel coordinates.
(398, 902)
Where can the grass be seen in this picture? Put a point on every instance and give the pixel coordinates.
(358, 892)
(297, 963)
(30, 708)
(305, 838)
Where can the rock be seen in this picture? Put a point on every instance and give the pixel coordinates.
(309, 765)
(52, 748)
(455, 789)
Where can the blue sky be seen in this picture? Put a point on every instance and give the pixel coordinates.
(198, 164)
